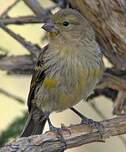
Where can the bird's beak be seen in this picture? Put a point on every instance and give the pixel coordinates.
(49, 27)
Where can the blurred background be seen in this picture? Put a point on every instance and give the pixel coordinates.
(14, 88)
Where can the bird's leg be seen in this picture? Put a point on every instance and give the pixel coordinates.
(90, 122)
(51, 127)
(57, 130)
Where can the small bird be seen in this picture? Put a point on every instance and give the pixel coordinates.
(66, 72)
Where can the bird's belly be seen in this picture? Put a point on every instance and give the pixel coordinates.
(61, 92)
(59, 98)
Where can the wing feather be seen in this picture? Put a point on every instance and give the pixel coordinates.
(37, 77)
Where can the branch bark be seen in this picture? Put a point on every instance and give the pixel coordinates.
(74, 136)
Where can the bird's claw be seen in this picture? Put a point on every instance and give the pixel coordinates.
(59, 135)
(64, 128)
(94, 124)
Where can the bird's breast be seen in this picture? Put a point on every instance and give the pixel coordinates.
(68, 80)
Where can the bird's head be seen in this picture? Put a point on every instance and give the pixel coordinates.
(67, 24)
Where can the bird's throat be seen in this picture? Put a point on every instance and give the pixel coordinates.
(52, 35)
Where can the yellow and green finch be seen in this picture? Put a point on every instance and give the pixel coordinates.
(66, 72)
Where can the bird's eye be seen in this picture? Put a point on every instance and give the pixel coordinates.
(65, 23)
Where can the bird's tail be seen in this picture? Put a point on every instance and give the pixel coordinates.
(35, 123)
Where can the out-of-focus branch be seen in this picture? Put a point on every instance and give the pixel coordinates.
(112, 81)
(4, 14)
(21, 20)
(22, 64)
(37, 8)
(33, 49)
(76, 136)
(20, 100)
(113, 86)
(117, 83)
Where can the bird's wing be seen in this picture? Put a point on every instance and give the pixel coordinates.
(37, 77)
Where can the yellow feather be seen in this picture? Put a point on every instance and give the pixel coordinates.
(49, 83)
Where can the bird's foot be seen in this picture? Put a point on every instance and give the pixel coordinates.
(94, 124)
(55, 129)
(59, 135)
(90, 122)
(64, 128)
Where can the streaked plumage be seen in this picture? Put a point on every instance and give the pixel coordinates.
(70, 67)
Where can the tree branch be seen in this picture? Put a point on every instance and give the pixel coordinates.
(4, 14)
(76, 136)
(10, 95)
(21, 20)
(20, 64)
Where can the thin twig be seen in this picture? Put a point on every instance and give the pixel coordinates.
(4, 14)
(37, 9)
(21, 20)
(20, 100)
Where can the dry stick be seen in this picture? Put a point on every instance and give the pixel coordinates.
(33, 49)
(103, 117)
(20, 100)
(4, 14)
(76, 136)
(21, 20)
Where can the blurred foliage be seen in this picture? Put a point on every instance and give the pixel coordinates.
(13, 130)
